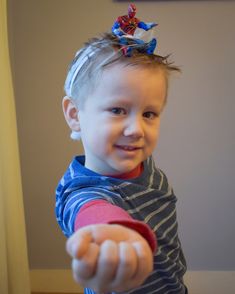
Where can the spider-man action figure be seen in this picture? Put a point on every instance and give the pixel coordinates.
(125, 26)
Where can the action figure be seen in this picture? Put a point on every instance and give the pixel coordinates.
(125, 27)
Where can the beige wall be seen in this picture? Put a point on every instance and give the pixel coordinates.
(197, 140)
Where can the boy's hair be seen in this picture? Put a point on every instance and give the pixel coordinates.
(101, 52)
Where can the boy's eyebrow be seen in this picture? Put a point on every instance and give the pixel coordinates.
(127, 102)
(120, 100)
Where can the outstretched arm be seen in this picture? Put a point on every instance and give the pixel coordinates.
(146, 26)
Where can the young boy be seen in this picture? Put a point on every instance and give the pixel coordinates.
(116, 207)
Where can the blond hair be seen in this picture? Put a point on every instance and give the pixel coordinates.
(101, 52)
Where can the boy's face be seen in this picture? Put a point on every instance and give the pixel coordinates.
(120, 120)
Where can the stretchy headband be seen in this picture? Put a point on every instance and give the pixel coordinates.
(89, 52)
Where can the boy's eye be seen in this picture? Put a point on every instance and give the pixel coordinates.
(118, 111)
(150, 115)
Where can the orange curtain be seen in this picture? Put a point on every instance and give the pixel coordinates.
(14, 271)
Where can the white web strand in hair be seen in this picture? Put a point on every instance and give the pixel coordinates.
(79, 64)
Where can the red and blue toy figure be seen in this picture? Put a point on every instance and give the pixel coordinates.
(124, 28)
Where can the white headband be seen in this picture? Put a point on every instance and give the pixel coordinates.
(79, 64)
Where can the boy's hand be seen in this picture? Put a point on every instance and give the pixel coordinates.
(109, 257)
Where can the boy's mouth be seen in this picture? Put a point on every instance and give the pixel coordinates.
(128, 148)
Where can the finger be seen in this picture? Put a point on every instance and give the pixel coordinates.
(145, 261)
(143, 269)
(78, 243)
(128, 261)
(127, 267)
(85, 268)
(107, 265)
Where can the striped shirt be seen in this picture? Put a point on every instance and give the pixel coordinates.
(148, 198)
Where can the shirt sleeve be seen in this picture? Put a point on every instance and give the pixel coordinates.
(103, 212)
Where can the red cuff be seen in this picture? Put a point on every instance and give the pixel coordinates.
(103, 212)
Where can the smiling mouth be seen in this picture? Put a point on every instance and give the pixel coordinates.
(128, 148)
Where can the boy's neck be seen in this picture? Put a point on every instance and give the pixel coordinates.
(136, 172)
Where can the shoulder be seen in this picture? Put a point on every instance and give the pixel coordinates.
(156, 175)
(121, 18)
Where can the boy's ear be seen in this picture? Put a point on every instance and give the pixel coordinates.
(71, 113)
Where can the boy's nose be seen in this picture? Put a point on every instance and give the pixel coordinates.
(134, 128)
